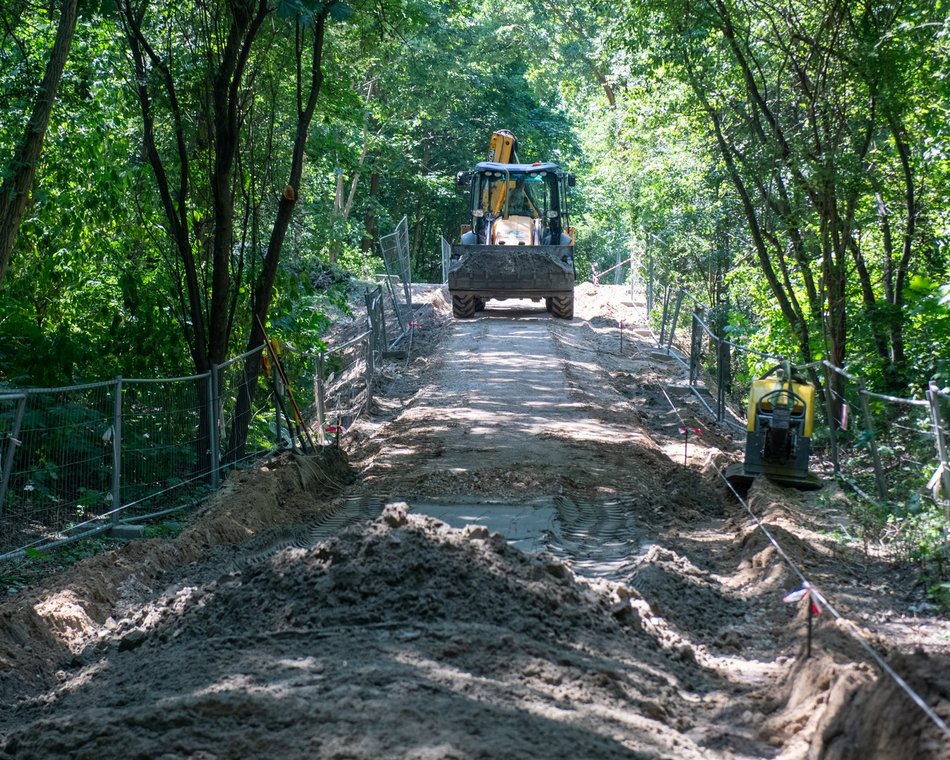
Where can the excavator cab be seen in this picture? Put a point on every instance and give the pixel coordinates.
(519, 204)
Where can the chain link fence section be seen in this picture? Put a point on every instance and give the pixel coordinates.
(939, 482)
(230, 393)
(343, 375)
(884, 447)
(60, 468)
(164, 434)
(12, 409)
(446, 260)
(76, 460)
(395, 250)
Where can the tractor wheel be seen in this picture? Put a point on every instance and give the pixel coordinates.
(562, 307)
(547, 304)
(479, 304)
(463, 306)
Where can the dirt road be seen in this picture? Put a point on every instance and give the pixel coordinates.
(645, 621)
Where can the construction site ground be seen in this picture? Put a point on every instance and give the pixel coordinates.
(512, 555)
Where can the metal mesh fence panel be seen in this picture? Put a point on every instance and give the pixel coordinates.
(939, 483)
(884, 447)
(446, 259)
(906, 450)
(343, 385)
(402, 249)
(395, 250)
(855, 436)
(74, 459)
(62, 471)
(231, 392)
(165, 442)
(12, 409)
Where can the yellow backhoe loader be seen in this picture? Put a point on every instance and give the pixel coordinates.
(519, 243)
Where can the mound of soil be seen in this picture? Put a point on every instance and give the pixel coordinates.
(400, 637)
(42, 629)
(882, 721)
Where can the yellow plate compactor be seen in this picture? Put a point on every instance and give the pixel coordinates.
(778, 435)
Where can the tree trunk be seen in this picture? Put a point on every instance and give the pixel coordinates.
(264, 290)
(369, 219)
(15, 192)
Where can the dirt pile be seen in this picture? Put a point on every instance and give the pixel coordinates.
(43, 629)
(398, 638)
(883, 722)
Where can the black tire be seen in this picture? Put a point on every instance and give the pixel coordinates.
(547, 305)
(463, 307)
(479, 304)
(562, 307)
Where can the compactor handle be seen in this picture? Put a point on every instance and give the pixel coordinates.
(789, 394)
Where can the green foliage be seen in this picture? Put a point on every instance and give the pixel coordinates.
(412, 92)
(939, 594)
(923, 537)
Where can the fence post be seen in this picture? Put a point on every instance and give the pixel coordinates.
(872, 442)
(666, 308)
(117, 449)
(213, 426)
(13, 440)
(318, 391)
(832, 422)
(695, 347)
(676, 316)
(933, 396)
(649, 284)
(722, 356)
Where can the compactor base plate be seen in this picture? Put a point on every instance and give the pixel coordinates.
(741, 478)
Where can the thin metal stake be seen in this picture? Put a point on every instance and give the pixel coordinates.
(811, 607)
(116, 492)
(321, 401)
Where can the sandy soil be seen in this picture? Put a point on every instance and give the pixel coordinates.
(314, 608)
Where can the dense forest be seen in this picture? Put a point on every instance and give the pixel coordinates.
(171, 170)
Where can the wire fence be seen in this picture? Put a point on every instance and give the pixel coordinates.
(80, 459)
(887, 449)
(343, 375)
(446, 248)
(395, 250)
